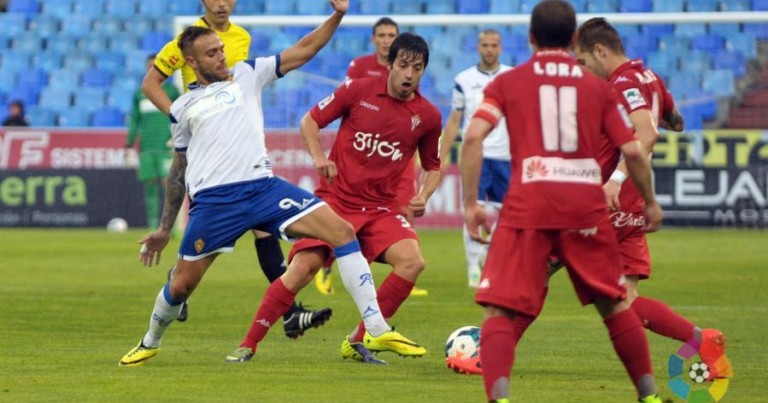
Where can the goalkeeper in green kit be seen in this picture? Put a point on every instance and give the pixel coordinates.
(153, 128)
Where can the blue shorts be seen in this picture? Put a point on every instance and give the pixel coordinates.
(219, 216)
(494, 181)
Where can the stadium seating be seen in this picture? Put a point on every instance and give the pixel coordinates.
(62, 46)
(108, 117)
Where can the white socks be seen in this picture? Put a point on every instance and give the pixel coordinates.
(357, 278)
(162, 315)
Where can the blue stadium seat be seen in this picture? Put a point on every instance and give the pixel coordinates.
(635, 6)
(124, 44)
(25, 94)
(120, 97)
(472, 6)
(757, 30)
(90, 8)
(107, 117)
(28, 43)
(14, 24)
(94, 44)
(406, 6)
(154, 41)
(64, 78)
(89, 99)
(56, 98)
(668, 6)
(744, 43)
(40, 116)
(512, 42)
(195, 8)
(62, 44)
(701, 5)
(26, 7)
(5, 41)
(602, 6)
(44, 26)
(110, 61)
(312, 7)
(76, 25)
(444, 7)
(125, 9)
(719, 82)
(97, 77)
(73, 117)
(695, 61)
(259, 43)
(705, 104)
(731, 60)
(625, 30)
(108, 26)
(351, 40)
(15, 60)
(676, 44)
(725, 29)
(282, 7)
(662, 62)
(708, 43)
(503, 6)
(692, 116)
(47, 61)
(682, 84)
(136, 61)
(657, 30)
(378, 7)
(77, 61)
(60, 9)
(736, 5)
(640, 45)
(33, 78)
(526, 6)
(153, 8)
(690, 30)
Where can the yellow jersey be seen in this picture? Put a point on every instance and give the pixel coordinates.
(237, 42)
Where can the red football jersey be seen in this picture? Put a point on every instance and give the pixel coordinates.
(377, 140)
(366, 66)
(637, 87)
(556, 114)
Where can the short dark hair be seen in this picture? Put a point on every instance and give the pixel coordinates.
(385, 21)
(189, 36)
(411, 44)
(553, 23)
(599, 30)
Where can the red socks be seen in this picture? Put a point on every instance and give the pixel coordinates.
(391, 294)
(631, 344)
(276, 301)
(661, 319)
(498, 339)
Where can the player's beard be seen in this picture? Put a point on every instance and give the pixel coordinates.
(211, 76)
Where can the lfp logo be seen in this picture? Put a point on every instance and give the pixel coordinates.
(689, 376)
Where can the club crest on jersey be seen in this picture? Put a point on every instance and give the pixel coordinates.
(634, 98)
(415, 122)
(199, 245)
(326, 101)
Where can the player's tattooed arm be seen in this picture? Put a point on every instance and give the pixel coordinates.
(672, 120)
(175, 191)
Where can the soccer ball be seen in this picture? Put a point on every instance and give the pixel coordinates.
(117, 225)
(463, 343)
(699, 372)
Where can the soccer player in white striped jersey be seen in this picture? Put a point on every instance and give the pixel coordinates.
(494, 180)
(221, 161)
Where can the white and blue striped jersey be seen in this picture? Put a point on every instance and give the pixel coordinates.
(221, 127)
(468, 95)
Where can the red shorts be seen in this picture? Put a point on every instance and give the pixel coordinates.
(515, 273)
(406, 190)
(377, 229)
(633, 245)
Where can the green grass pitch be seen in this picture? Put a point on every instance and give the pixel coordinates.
(72, 302)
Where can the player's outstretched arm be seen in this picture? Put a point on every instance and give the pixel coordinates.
(310, 135)
(152, 87)
(300, 53)
(154, 243)
(450, 133)
(471, 163)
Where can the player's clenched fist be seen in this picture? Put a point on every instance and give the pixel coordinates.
(340, 6)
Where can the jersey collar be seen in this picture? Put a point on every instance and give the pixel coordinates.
(634, 64)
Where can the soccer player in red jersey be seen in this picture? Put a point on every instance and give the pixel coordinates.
(556, 114)
(646, 99)
(384, 123)
(384, 31)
